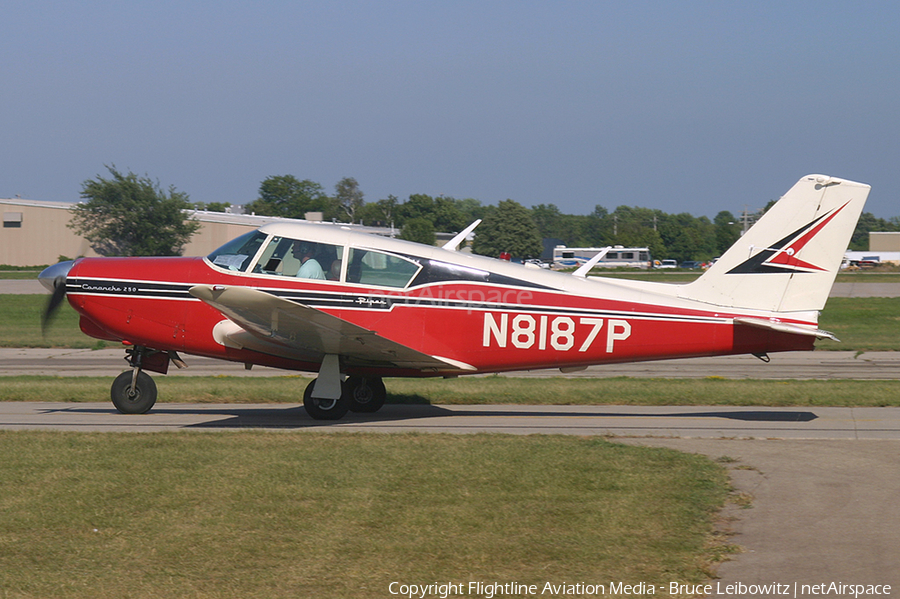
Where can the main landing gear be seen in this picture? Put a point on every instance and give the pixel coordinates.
(358, 394)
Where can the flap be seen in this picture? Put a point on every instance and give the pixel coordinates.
(310, 331)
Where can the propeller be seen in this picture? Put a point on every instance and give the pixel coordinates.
(53, 278)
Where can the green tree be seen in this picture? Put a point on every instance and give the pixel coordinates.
(728, 230)
(127, 215)
(447, 215)
(471, 210)
(287, 197)
(349, 197)
(419, 205)
(419, 230)
(597, 229)
(508, 228)
(380, 213)
(867, 223)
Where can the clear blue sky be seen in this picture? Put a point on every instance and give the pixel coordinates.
(683, 106)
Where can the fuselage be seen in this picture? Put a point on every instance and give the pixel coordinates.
(491, 315)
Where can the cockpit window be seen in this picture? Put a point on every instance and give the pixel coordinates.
(238, 253)
(288, 257)
(369, 267)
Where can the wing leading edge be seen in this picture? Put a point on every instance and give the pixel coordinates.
(306, 331)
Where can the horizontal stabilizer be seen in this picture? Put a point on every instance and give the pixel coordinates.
(783, 327)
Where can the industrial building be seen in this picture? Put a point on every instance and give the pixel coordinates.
(36, 233)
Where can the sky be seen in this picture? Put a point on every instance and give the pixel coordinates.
(680, 106)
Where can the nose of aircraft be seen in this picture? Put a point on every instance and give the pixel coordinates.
(51, 276)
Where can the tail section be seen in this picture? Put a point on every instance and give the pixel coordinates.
(788, 260)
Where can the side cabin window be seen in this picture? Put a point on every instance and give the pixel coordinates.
(438, 272)
(300, 258)
(370, 267)
(238, 253)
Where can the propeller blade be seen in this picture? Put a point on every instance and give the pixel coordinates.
(59, 294)
(54, 279)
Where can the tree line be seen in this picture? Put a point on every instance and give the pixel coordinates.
(506, 227)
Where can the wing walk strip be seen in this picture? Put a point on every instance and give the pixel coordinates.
(381, 302)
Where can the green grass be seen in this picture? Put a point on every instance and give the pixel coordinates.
(20, 324)
(483, 391)
(343, 515)
(6, 275)
(862, 324)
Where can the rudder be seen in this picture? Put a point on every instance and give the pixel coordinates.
(788, 260)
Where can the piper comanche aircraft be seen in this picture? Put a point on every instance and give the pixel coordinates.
(355, 308)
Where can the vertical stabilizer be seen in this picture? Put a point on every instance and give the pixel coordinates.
(788, 260)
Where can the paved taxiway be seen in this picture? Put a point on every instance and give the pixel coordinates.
(706, 422)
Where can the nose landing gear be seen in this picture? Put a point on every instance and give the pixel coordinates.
(133, 391)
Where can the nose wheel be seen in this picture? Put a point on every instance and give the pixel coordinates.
(133, 392)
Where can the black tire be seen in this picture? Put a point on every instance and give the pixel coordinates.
(144, 393)
(323, 409)
(364, 395)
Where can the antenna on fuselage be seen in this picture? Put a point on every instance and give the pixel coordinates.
(585, 268)
(453, 244)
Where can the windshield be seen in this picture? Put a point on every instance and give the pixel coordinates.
(238, 253)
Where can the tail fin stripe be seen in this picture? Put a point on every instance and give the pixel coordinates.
(776, 258)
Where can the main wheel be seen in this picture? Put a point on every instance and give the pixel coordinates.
(141, 400)
(323, 409)
(364, 394)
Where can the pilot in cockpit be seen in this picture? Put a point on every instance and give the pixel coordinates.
(309, 266)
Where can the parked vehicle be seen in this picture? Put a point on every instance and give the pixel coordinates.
(566, 257)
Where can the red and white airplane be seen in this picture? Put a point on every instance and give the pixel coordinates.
(356, 307)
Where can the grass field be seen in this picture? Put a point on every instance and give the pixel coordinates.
(862, 324)
(483, 391)
(328, 515)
